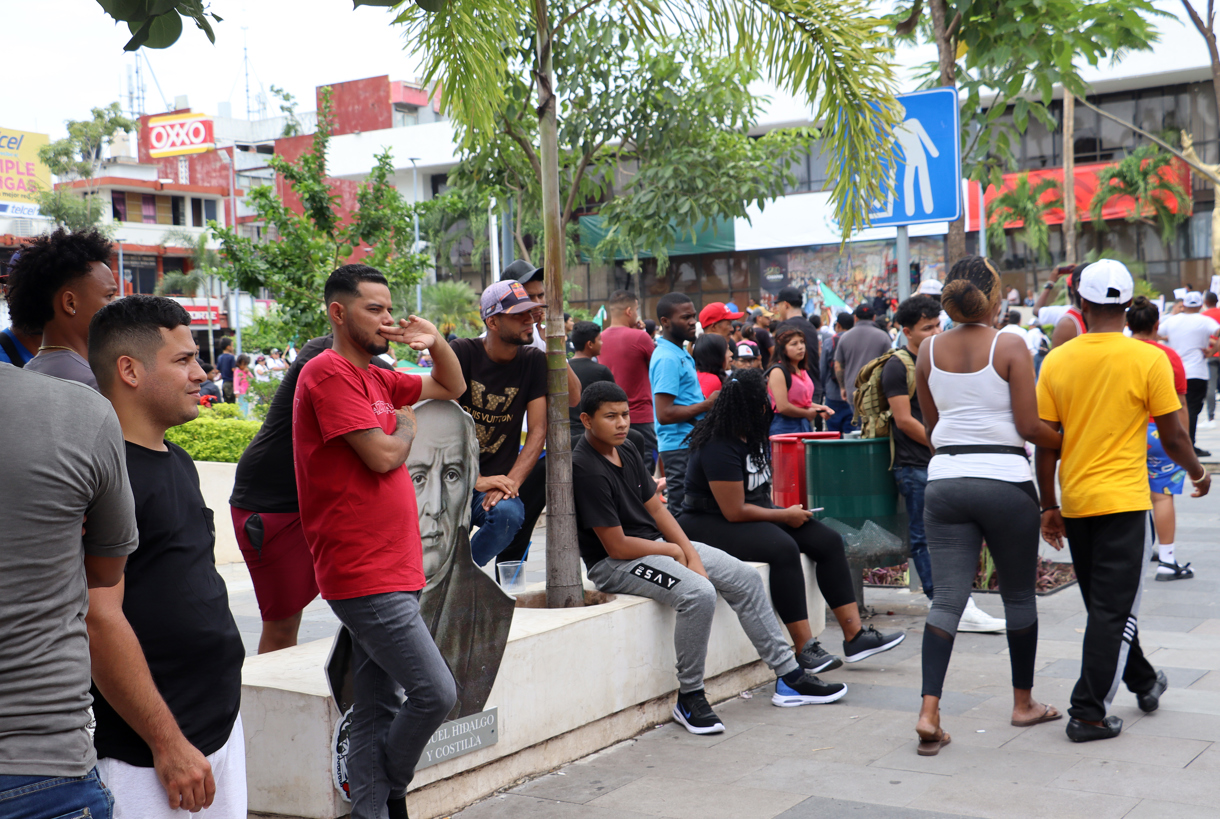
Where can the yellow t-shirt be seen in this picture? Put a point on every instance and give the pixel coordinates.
(1102, 387)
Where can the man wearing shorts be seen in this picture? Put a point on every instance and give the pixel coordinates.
(267, 515)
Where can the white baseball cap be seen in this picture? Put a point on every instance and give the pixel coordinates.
(930, 287)
(1107, 282)
(1193, 299)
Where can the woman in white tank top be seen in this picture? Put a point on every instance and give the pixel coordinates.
(976, 391)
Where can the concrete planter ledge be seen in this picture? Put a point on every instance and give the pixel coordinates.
(572, 681)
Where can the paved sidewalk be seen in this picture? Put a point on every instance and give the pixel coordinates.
(857, 757)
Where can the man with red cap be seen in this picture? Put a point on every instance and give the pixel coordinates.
(717, 318)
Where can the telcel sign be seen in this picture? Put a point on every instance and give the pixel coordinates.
(22, 173)
(180, 134)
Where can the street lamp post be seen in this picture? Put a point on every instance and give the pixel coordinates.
(419, 286)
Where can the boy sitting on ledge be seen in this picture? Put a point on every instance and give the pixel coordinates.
(631, 544)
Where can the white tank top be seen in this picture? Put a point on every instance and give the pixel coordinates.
(973, 409)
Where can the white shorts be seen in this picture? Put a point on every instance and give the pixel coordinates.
(138, 794)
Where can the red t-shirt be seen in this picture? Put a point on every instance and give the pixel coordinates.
(627, 351)
(1175, 363)
(362, 527)
(709, 383)
(1214, 315)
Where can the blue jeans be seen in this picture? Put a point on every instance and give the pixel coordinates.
(55, 797)
(392, 654)
(497, 526)
(841, 421)
(912, 481)
(783, 425)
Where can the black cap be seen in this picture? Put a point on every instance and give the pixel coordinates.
(522, 271)
(792, 296)
(864, 312)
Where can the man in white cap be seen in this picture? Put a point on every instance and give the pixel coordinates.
(1192, 335)
(1100, 390)
(933, 288)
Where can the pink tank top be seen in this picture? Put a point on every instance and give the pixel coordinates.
(800, 391)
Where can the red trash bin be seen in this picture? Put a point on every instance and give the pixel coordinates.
(788, 466)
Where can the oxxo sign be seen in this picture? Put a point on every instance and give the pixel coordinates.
(179, 134)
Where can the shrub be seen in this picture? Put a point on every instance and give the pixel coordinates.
(218, 434)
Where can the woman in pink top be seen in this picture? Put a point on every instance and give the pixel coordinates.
(791, 388)
(241, 383)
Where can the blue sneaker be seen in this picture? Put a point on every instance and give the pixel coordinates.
(808, 690)
(693, 713)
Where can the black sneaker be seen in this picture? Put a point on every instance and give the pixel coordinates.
(397, 807)
(808, 690)
(813, 658)
(693, 713)
(1202, 453)
(869, 642)
(1151, 700)
(1175, 572)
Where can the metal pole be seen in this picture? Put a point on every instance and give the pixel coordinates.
(211, 338)
(419, 285)
(982, 221)
(237, 317)
(904, 264)
(122, 281)
(492, 240)
(507, 256)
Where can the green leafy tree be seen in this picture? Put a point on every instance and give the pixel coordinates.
(310, 245)
(1026, 203)
(1014, 53)
(453, 307)
(158, 23)
(830, 53)
(1141, 175)
(179, 283)
(288, 106)
(79, 155)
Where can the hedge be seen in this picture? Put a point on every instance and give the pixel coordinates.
(218, 434)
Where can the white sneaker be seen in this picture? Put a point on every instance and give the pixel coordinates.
(976, 620)
(1207, 425)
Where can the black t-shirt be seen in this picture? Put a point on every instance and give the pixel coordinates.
(496, 397)
(813, 350)
(894, 382)
(762, 337)
(266, 480)
(726, 459)
(178, 608)
(588, 371)
(608, 495)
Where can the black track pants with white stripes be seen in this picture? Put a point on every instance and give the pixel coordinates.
(1110, 553)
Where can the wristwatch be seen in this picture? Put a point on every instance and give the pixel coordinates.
(1048, 286)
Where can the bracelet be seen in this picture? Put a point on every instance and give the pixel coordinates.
(1200, 478)
(1048, 286)
(1050, 509)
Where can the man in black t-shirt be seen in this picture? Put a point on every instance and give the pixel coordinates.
(506, 386)
(267, 516)
(631, 544)
(165, 650)
(587, 339)
(788, 309)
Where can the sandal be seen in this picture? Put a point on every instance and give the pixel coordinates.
(931, 747)
(1049, 715)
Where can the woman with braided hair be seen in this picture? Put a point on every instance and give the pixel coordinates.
(728, 504)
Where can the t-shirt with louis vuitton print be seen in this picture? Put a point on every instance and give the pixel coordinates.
(496, 397)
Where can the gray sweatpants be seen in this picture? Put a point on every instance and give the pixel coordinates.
(694, 598)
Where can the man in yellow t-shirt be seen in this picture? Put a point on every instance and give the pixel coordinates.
(1100, 389)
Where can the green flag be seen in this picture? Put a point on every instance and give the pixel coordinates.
(830, 299)
(600, 318)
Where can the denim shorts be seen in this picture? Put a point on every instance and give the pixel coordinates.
(55, 797)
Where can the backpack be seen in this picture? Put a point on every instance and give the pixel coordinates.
(873, 414)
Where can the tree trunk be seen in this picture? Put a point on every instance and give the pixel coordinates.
(563, 586)
(946, 50)
(1069, 178)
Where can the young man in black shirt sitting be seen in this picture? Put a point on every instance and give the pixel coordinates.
(631, 544)
(166, 652)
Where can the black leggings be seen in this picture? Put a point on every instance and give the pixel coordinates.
(780, 547)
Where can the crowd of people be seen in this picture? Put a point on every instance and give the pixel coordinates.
(671, 481)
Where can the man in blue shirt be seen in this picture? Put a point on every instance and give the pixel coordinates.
(18, 347)
(676, 398)
(225, 363)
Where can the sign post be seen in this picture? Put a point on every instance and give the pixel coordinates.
(926, 176)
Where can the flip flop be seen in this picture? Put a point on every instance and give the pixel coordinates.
(931, 747)
(1049, 715)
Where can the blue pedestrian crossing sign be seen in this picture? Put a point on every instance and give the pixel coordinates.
(926, 175)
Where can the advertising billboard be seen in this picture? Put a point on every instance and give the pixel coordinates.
(179, 134)
(22, 175)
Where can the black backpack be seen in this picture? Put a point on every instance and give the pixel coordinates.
(10, 348)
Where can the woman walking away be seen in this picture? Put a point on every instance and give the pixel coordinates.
(1165, 478)
(712, 361)
(976, 390)
(728, 504)
(791, 387)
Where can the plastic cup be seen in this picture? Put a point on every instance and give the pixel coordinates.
(512, 576)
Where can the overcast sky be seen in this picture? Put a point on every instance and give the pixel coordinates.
(65, 56)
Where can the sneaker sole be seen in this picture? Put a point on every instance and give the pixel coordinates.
(978, 629)
(1164, 577)
(864, 655)
(830, 665)
(718, 728)
(795, 700)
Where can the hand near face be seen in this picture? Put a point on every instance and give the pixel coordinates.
(417, 333)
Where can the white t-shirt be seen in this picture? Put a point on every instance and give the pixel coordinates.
(1051, 315)
(1033, 339)
(1189, 334)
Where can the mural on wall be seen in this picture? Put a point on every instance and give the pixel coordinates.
(467, 613)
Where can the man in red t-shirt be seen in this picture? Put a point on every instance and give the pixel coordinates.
(627, 350)
(352, 430)
(1212, 311)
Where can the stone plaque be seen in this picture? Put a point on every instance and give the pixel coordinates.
(461, 736)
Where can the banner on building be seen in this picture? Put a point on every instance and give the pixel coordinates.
(179, 134)
(22, 174)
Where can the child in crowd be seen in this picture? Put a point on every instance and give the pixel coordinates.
(241, 383)
(631, 544)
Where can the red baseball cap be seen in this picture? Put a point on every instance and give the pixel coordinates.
(716, 311)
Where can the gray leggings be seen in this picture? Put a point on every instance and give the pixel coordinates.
(959, 515)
